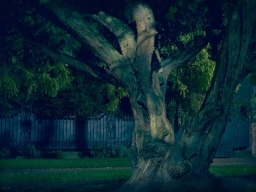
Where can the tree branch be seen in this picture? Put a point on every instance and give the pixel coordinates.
(86, 32)
(92, 69)
(158, 55)
(232, 65)
(122, 31)
(145, 23)
(180, 59)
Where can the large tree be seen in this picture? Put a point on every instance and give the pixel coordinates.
(131, 59)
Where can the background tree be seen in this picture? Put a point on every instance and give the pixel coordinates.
(139, 58)
(28, 76)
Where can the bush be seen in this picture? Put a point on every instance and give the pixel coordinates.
(84, 154)
(123, 151)
(59, 154)
(53, 155)
(106, 152)
(26, 151)
(34, 153)
(5, 153)
(96, 151)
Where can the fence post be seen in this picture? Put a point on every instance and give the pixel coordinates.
(111, 129)
(26, 125)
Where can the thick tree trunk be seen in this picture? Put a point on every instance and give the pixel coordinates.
(155, 157)
(158, 160)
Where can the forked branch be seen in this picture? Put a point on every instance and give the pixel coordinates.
(88, 68)
(145, 23)
(181, 59)
(86, 33)
(122, 31)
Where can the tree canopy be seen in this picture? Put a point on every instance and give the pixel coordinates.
(157, 53)
(30, 72)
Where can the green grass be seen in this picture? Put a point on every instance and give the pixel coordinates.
(86, 180)
(109, 175)
(15, 164)
(231, 171)
(247, 154)
(64, 177)
(89, 180)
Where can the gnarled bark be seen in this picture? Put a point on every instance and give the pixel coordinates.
(162, 162)
(156, 157)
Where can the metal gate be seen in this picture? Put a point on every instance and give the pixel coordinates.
(68, 133)
(237, 132)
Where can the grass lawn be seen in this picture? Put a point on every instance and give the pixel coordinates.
(247, 154)
(233, 171)
(14, 164)
(89, 180)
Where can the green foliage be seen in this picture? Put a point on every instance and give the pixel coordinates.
(99, 152)
(8, 85)
(26, 151)
(123, 151)
(34, 153)
(86, 97)
(201, 70)
(171, 13)
(115, 95)
(22, 83)
(43, 1)
(187, 87)
(53, 155)
(59, 154)
(106, 152)
(5, 153)
(28, 74)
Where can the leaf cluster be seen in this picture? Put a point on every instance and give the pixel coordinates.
(29, 74)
